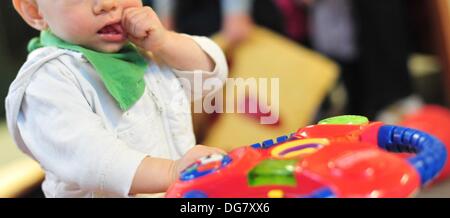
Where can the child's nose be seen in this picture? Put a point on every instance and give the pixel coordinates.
(105, 6)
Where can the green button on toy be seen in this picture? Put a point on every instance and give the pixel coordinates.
(273, 172)
(345, 120)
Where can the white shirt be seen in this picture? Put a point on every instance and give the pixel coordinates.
(60, 113)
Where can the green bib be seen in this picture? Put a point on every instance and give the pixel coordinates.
(122, 73)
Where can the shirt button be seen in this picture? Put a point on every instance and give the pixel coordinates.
(83, 59)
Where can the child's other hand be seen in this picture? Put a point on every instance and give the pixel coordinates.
(193, 155)
(237, 28)
(144, 28)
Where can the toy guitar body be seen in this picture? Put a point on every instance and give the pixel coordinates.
(341, 157)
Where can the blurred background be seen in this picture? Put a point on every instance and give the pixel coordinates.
(388, 60)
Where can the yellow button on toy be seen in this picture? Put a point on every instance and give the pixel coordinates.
(277, 193)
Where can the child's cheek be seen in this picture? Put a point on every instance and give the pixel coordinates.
(81, 27)
(78, 29)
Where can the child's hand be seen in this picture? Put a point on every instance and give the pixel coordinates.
(193, 155)
(144, 28)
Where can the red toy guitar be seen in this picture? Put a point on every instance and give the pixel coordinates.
(340, 157)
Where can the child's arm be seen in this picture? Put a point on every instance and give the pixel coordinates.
(190, 57)
(178, 51)
(166, 171)
(71, 141)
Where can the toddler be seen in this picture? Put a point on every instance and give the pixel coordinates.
(100, 101)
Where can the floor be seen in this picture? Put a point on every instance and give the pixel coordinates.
(440, 190)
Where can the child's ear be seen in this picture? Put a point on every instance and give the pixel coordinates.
(29, 11)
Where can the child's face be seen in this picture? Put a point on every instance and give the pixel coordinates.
(95, 24)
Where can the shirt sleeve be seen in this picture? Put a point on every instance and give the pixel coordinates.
(200, 82)
(69, 140)
(230, 7)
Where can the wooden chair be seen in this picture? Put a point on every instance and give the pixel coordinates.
(305, 79)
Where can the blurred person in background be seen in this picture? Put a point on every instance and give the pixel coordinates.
(370, 41)
(294, 18)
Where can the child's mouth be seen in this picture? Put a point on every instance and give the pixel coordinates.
(112, 33)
